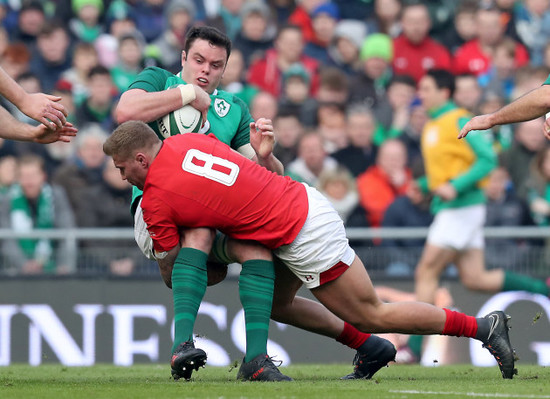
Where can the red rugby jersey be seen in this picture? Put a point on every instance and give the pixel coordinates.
(197, 181)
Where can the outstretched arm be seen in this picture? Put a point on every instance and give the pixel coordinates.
(531, 105)
(11, 128)
(43, 108)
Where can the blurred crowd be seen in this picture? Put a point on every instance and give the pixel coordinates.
(337, 78)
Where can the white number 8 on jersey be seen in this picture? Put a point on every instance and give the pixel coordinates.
(213, 168)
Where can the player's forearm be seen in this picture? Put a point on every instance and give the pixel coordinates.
(10, 89)
(136, 104)
(271, 163)
(12, 129)
(532, 105)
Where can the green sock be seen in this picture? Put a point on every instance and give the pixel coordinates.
(256, 293)
(520, 282)
(189, 280)
(415, 345)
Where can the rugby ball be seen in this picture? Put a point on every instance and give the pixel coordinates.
(184, 120)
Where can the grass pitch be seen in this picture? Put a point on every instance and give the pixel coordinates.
(310, 381)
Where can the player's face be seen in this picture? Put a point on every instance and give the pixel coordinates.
(131, 170)
(204, 65)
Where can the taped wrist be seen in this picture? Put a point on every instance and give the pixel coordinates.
(187, 94)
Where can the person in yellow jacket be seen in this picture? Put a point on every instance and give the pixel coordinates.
(455, 172)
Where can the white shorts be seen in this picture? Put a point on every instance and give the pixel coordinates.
(459, 228)
(320, 252)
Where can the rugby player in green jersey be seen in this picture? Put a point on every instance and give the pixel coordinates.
(154, 94)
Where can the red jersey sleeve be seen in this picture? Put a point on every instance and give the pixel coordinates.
(160, 223)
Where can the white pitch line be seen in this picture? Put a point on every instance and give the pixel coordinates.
(474, 394)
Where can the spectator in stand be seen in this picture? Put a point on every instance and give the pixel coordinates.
(233, 80)
(119, 21)
(32, 203)
(476, 55)
(264, 105)
(80, 174)
(56, 153)
(86, 26)
(150, 18)
(53, 55)
(468, 92)
(180, 16)
(287, 129)
(85, 57)
(99, 105)
(333, 87)
(324, 19)
(108, 203)
(504, 209)
(414, 51)
(15, 60)
(503, 135)
(228, 17)
(130, 60)
(312, 160)
(8, 174)
(528, 78)
(500, 78)
(509, 16)
(532, 24)
(441, 16)
(346, 44)
(393, 112)
(369, 86)
(267, 72)
(301, 17)
(517, 160)
(360, 153)
(380, 184)
(331, 125)
(464, 27)
(538, 188)
(339, 187)
(296, 95)
(30, 22)
(385, 18)
(281, 11)
(257, 32)
(412, 209)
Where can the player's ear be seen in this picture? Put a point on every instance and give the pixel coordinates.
(183, 56)
(142, 159)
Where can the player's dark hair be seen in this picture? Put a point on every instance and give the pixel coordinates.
(210, 34)
(443, 80)
(128, 138)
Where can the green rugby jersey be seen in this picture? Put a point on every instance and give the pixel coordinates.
(228, 117)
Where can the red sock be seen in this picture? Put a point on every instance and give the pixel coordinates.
(459, 325)
(352, 337)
